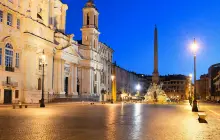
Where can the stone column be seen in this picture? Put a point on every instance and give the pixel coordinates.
(73, 77)
(63, 17)
(51, 20)
(92, 79)
(75, 80)
(60, 75)
(86, 82)
(46, 12)
(98, 83)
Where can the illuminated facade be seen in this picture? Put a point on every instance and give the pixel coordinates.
(97, 57)
(213, 74)
(202, 87)
(176, 86)
(29, 27)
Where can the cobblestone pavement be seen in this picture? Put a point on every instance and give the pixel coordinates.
(107, 122)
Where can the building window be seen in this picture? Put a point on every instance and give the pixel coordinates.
(18, 23)
(16, 94)
(9, 19)
(88, 19)
(39, 84)
(0, 56)
(8, 55)
(8, 80)
(40, 62)
(17, 60)
(1, 16)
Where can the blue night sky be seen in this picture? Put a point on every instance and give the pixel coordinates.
(127, 26)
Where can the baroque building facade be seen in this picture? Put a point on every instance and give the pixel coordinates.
(29, 28)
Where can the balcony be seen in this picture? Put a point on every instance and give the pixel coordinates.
(10, 84)
(10, 69)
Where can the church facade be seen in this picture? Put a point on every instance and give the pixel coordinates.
(32, 34)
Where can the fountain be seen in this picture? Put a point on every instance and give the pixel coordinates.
(155, 93)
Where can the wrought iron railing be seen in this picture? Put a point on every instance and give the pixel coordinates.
(12, 84)
(10, 69)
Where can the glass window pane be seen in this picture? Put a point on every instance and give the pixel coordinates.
(8, 55)
(17, 60)
(1, 16)
(18, 23)
(9, 19)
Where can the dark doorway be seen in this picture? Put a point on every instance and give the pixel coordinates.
(78, 89)
(66, 85)
(95, 88)
(7, 96)
(78, 86)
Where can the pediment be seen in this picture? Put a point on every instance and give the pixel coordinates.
(70, 50)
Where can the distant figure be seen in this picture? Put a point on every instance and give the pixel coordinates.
(190, 101)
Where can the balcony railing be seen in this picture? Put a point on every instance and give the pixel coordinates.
(10, 69)
(10, 84)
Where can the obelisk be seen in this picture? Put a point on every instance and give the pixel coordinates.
(155, 78)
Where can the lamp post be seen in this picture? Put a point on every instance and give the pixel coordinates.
(43, 64)
(194, 49)
(113, 88)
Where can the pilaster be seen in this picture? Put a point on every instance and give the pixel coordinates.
(63, 17)
(74, 72)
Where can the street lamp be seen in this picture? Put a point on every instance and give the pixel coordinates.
(112, 77)
(194, 48)
(138, 87)
(43, 64)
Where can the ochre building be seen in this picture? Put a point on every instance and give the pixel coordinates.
(30, 28)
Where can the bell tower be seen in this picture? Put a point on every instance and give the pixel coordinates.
(90, 32)
(90, 70)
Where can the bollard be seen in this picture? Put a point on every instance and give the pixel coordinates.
(13, 106)
(26, 106)
(20, 105)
